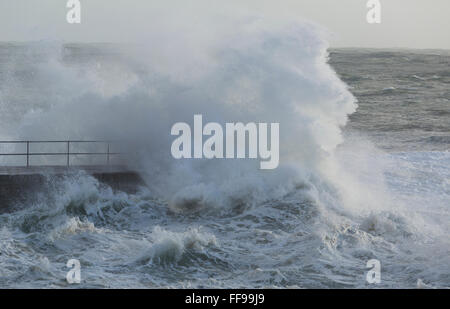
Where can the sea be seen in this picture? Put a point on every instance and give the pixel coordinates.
(364, 165)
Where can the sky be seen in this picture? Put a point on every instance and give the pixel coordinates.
(423, 24)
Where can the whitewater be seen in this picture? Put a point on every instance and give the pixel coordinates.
(363, 174)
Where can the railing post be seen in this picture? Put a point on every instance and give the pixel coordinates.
(107, 155)
(68, 153)
(28, 153)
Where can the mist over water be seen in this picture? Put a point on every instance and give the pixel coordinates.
(260, 73)
(331, 205)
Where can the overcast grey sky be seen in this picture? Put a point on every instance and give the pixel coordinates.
(405, 23)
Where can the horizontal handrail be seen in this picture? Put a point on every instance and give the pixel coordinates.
(68, 153)
(59, 153)
(37, 141)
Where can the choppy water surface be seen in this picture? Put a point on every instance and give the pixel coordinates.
(386, 197)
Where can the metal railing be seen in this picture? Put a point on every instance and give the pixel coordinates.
(67, 153)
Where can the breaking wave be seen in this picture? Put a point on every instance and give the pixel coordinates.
(330, 206)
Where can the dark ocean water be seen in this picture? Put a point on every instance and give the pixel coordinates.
(403, 96)
(389, 198)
